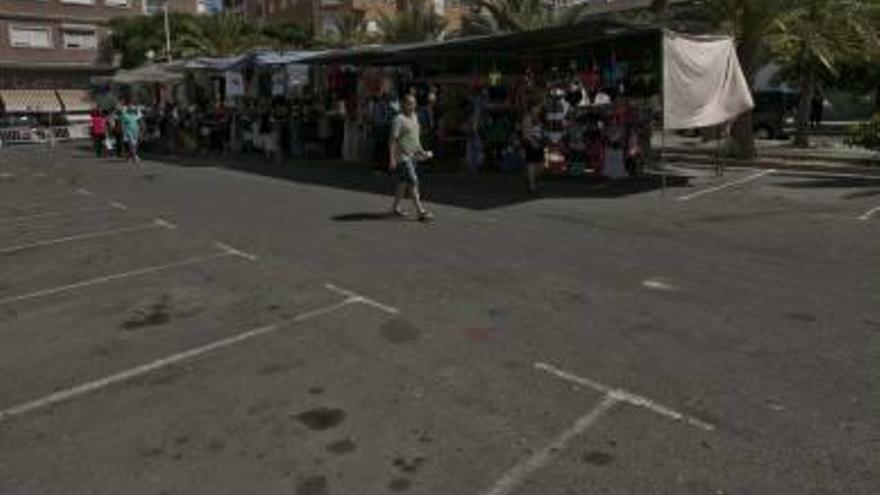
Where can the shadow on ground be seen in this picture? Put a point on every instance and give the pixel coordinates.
(477, 192)
(362, 217)
(868, 187)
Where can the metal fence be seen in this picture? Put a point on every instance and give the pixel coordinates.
(43, 135)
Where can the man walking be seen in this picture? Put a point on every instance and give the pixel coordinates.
(405, 150)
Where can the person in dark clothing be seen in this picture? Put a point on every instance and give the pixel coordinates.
(817, 108)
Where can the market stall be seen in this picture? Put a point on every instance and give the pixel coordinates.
(590, 96)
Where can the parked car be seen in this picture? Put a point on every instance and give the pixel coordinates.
(773, 117)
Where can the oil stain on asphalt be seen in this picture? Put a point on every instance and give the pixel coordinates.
(321, 419)
(598, 458)
(313, 485)
(400, 331)
(155, 315)
(342, 447)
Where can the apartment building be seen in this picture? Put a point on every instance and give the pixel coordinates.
(323, 15)
(59, 45)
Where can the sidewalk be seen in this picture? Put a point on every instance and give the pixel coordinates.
(827, 154)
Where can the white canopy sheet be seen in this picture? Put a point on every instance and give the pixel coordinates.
(703, 82)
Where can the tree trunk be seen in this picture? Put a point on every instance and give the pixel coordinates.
(805, 104)
(743, 132)
(877, 101)
(743, 136)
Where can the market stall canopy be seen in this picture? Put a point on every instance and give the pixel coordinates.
(563, 41)
(703, 83)
(75, 100)
(30, 101)
(152, 73)
(269, 58)
(218, 64)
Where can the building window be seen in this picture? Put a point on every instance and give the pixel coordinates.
(153, 6)
(80, 38)
(329, 25)
(80, 2)
(30, 37)
(116, 3)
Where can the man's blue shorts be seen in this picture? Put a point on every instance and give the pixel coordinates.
(406, 171)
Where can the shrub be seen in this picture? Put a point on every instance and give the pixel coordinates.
(866, 135)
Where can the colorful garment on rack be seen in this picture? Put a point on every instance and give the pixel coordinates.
(591, 78)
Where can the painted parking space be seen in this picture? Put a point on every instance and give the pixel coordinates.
(134, 321)
(272, 412)
(702, 311)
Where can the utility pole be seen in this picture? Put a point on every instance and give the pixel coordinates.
(167, 32)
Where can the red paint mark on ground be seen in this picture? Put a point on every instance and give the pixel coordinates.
(481, 334)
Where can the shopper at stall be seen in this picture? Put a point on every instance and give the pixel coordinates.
(383, 114)
(116, 130)
(131, 129)
(533, 143)
(405, 151)
(268, 135)
(99, 131)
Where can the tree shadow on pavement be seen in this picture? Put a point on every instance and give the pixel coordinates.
(473, 191)
(869, 187)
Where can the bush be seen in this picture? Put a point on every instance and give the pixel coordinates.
(866, 135)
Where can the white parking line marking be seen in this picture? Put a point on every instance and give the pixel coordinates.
(625, 396)
(655, 284)
(117, 205)
(165, 223)
(235, 252)
(83, 192)
(726, 185)
(158, 223)
(89, 387)
(117, 276)
(355, 297)
(870, 213)
(515, 475)
(54, 214)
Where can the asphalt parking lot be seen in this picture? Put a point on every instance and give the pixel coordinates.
(180, 330)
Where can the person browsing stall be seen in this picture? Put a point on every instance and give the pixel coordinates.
(405, 150)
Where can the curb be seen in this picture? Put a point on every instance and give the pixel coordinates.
(811, 166)
(830, 159)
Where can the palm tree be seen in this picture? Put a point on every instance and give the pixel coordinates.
(495, 16)
(815, 37)
(416, 22)
(750, 22)
(220, 35)
(287, 36)
(351, 29)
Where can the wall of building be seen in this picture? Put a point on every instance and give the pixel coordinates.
(62, 40)
(322, 14)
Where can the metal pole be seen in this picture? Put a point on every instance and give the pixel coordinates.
(167, 33)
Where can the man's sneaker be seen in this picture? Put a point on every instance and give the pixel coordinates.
(426, 216)
(397, 213)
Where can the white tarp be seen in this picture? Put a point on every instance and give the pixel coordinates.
(703, 82)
